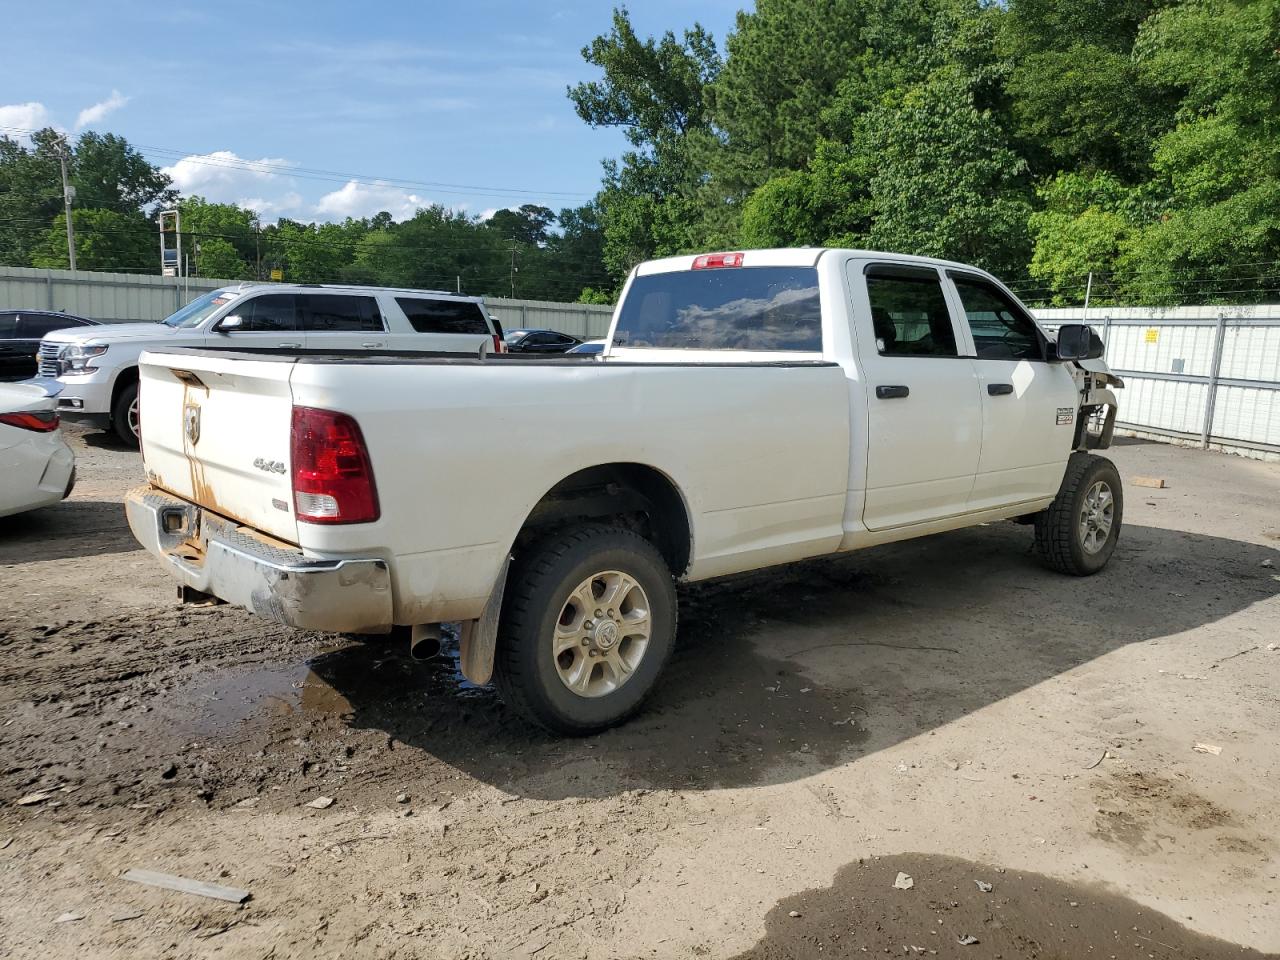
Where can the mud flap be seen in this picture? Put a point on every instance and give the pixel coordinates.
(479, 640)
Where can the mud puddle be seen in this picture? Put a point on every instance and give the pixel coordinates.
(945, 912)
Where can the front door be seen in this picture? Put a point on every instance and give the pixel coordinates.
(924, 426)
(267, 320)
(1028, 403)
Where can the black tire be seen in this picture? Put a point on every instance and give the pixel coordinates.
(538, 590)
(125, 399)
(1059, 539)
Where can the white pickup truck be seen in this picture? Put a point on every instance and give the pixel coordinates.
(750, 409)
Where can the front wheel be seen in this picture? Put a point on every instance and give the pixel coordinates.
(1078, 532)
(124, 415)
(589, 620)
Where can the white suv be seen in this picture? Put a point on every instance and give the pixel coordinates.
(98, 366)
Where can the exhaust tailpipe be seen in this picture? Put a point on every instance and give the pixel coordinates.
(424, 641)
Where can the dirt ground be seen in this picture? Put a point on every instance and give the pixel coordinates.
(943, 708)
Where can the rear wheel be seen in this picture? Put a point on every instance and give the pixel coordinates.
(124, 415)
(588, 622)
(1078, 532)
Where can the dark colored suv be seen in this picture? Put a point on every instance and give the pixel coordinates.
(20, 333)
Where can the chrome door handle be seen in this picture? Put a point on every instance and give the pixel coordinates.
(293, 346)
(372, 344)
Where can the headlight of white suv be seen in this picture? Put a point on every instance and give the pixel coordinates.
(75, 358)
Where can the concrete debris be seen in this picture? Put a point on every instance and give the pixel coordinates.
(69, 917)
(903, 882)
(33, 798)
(1208, 748)
(967, 940)
(983, 886)
(793, 913)
(321, 803)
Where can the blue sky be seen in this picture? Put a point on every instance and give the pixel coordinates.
(456, 103)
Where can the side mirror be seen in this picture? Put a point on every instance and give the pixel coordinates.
(232, 321)
(1078, 341)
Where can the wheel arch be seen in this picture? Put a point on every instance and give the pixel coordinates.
(124, 378)
(641, 496)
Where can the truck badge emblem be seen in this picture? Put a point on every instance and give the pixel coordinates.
(271, 466)
(191, 422)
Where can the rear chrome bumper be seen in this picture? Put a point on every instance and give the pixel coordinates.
(211, 555)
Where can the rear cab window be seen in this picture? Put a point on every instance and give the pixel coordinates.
(768, 309)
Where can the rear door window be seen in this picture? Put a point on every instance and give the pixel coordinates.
(340, 313)
(909, 312)
(736, 308)
(8, 324)
(1001, 329)
(443, 316)
(269, 313)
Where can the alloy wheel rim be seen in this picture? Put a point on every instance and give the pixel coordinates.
(133, 416)
(602, 634)
(1097, 514)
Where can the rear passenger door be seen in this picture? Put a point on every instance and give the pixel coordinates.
(924, 426)
(1028, 403)
(342, 321)
(438, 323)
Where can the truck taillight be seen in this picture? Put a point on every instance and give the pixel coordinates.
(332, 476)
(499, 345)
(41, 421)
(712, 261)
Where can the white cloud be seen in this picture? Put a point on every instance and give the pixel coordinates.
(488, 212)
(223, 177)
(286, 205)
(98, 112)
(18, 118)
(354, 199)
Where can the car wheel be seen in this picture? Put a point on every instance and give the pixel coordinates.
(588, 622)
(1078, 532)
(124, 415)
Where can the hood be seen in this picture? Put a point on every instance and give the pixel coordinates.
(23, 396)
(113, 333)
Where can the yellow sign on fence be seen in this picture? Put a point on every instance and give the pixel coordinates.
(278, 274)
(1153, 335)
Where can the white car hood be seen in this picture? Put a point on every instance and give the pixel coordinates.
(117, 333)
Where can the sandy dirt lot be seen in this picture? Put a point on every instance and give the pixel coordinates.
(944, 709)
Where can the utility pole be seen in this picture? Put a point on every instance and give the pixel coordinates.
(257, 246)
(68, 194)
(1088, 290)
(513, 267)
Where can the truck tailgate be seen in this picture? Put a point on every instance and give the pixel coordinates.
(216, 432)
